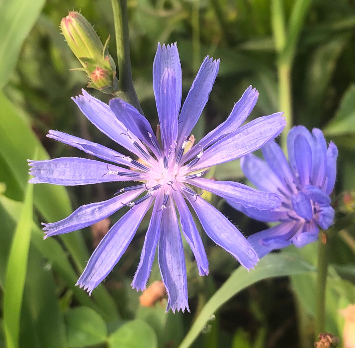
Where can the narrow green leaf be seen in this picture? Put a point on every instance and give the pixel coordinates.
(270, 266)
(84, 327)
(134, 334)
(17, 17)
(344, 120)
(41, 306)
(16, 272)
(17, 144)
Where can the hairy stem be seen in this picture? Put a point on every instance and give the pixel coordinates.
(119, 8)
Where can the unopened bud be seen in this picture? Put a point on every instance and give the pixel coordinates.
(91, 53)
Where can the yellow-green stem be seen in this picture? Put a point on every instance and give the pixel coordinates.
(285, 99)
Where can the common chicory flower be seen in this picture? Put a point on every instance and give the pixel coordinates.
(305, 184)
(165, 173)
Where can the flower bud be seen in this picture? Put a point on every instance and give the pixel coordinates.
(93, 56)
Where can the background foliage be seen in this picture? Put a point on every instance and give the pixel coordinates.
(303, 47)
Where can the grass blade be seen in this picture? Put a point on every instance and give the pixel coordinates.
(16, 272)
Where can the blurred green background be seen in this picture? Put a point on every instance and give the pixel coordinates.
(299, 54)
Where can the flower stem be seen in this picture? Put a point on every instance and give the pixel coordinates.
(119, 8)
(284, 66)
(285, 99)
(321, 284)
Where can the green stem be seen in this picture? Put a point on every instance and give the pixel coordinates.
(119, 8)
(321, 284)
(285, 99)
(284, 66)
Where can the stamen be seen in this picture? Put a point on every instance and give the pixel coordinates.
(197, 175)
(289, 187)
(292, 217)
(191, 192)
(138, 201)
(142, 199)
(115, 172)
(282, 192)
(165, 201)
(131, 175)
(140, 149)
(181, 151)
(166, 164)
(130, 188)
(155, 143)
(154, 188)
(137, 146)
(286, 205)
(196, 159)
(140, 166)
(170, 183)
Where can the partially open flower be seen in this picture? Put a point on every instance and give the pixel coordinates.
(304, 183)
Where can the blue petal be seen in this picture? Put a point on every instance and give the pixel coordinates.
(89, 147)
(319, 158)
(291, 147)
(277, 161)
(133, 121)
(223, 232)
(172, 261)
(240, 112)
(316, 195)
(326, 217)
(197, 97)
(99, 114)
(276, 237)
(302, 205)
(332, 154)
(191, 234)
(112, 247)
(72, 171)
(150, 244)
(167, 84)
(309, 234)
(89, 214)
(247, 139)
(239, 193)
(260, 175)
(260, 215)
(303, 158)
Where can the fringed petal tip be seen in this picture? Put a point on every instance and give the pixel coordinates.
(81, 97)
(177, 307)
(138, 287)
(87, 287)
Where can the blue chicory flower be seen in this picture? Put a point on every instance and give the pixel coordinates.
(165, 173)
(304, 183)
